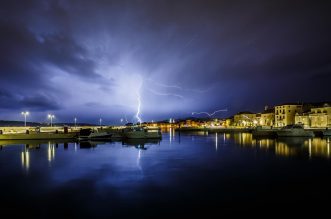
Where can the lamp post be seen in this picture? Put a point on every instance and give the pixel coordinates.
(100, 121)
(25, 114)
(75, 119)
(51, 117)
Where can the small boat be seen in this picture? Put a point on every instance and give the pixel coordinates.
(327, 132)
(89, 134)
(142, 133)
(294, 131)
(260, 132)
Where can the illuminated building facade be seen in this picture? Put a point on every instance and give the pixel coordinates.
(318, 117)
(245, 119)
(285, 114)
(267, 117)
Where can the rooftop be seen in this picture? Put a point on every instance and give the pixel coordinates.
(271, 110)
(244, 112)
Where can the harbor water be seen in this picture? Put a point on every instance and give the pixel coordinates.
(182, 175)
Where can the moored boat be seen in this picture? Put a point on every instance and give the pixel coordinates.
(89, 134)
(294, 131)
(327, 132)
(142, 133)
(260, 132)
(116, 133)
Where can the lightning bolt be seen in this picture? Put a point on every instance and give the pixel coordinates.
(210, 114)
(165, 94)
(176, 87)
(139, 104)
(164, 85)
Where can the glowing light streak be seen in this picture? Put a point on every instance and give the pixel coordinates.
(165, 94)
(165, 85)
(176, 87)
(209, 114)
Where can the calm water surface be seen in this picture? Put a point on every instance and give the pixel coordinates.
(182, 175)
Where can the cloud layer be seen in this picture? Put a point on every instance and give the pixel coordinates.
(91, 59)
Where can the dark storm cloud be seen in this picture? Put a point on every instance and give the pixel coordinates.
(40, 103)
(26, 57)
(241, 53)
(35, 103)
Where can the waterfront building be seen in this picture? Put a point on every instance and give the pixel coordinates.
(315, 116)
(245, 119)
(303, 119)
(285, 114)
(321, 117)
(190, 123)
(228, 122)
(267, 117)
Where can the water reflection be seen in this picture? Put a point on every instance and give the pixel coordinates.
(290, 146)
(89, 144)
(285, 146)
(25, 158)
(318, 147)
(51, 152)
(140, 143)
(216, 140)
(51, 147)
(172, 134)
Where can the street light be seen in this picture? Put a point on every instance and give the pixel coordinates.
(51, 117)
(75, 119)
(100, 121)
(25, 114)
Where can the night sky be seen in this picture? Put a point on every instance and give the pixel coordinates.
(92, 59)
